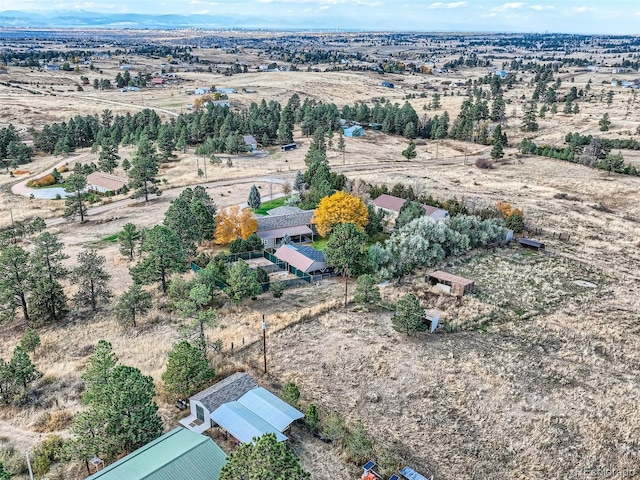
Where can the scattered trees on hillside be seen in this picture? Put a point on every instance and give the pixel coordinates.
(367, 290)
(144, 168)
(16, 280)
(75, 187)
(128, 239)
(346, 252)
(48, 300)
(108, 158)
(339, 208)
(192, 216)
(188, 370)
(16, 375)
(165, 255)
(92, 278)
(120, 414)
(410, 151)
(243, 282)
(131, 304)
(264, 459)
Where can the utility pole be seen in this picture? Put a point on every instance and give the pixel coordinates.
(437, 145)
(29, 465)
(264, 342)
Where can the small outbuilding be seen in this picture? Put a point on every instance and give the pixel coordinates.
(288, 146)
(450, 283)
(531, 244)
(302, 259)
(206, 401)
(354, 131)
(251, 142)
(388, 84)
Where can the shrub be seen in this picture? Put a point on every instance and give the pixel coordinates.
(262, 275)
(484, 164)
(291, 394)
(358, 446)
(52, 422)
(44, 181)
(312, 418)
(334, 429)
(515, 222)
(277, 288)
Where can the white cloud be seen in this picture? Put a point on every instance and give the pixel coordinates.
(540, 8)
(509, 6)
(582, 9)
(447, 5)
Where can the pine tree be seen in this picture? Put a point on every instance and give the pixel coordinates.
(188, 370)
(254, 200)
(48, 300)
(409, 315)
(76, 198)
(529, 123)
(30, 339)
(22, 369)
(367, 290)
(144, 170)
(16, 279)
(196, 308)
(243, 282)
(128, 239)
(92, 278)
(410, 151)
(108, 159)
(131, 304)
(165, 255)
(345, 252)
(604, 123)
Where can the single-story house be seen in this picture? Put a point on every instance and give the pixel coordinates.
(354, 131)
(302, 258)
(285, 221)
(202, 90)
(157, 81)
(392, 206)
(52, 66)
(450, 283)
(255, 413)
(105, 183)
(125, 67)
(221, 103)
(208, 400)
(251, 142)
(225, 90)
(179, 453)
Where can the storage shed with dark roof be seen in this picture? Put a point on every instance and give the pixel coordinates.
(206, 401)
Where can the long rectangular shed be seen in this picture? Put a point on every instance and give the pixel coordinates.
(179, 453)
(271, 408)
(531, 244)
(458, 285)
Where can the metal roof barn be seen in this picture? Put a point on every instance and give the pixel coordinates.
(271, 408)
(242, 423)
(179, 453)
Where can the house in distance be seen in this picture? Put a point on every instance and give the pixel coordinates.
(105, 183)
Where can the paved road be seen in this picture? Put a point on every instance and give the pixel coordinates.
(174, 192)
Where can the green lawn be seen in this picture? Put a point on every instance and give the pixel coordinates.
(111, 238)
(270, 205)
(321, 243)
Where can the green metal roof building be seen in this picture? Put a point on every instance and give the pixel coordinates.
(176, 455)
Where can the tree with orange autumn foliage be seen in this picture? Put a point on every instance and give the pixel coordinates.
(339, 208)
(232, 223)
(506, 210)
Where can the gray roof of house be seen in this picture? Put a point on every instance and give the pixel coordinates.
(284, 210)
(227, 390)
(273, 222)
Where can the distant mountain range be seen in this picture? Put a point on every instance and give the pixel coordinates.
(83, 19)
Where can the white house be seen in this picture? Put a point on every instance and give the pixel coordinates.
(105, 183)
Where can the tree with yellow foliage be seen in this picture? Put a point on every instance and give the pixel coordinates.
(506, 210)
(339, 208)
(232, 223)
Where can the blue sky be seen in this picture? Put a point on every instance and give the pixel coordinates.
(572, 16)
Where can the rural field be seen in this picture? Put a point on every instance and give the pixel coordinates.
(534, 375)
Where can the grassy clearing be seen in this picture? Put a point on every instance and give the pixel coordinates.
(270, 205)
(321, 243)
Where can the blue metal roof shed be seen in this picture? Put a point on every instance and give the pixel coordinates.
(242, 423)
(271, 408)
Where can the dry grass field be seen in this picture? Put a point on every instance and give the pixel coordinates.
(537, 378)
